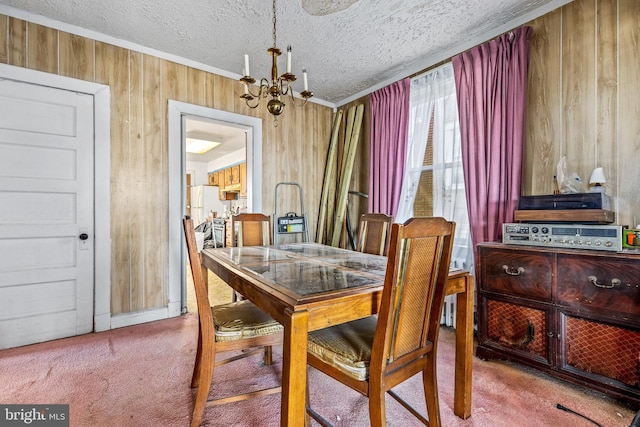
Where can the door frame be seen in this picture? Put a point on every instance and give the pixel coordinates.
(176, 158)
(101, 177)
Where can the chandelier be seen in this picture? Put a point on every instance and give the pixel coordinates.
(278, 87)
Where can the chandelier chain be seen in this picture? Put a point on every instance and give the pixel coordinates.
(274, 23)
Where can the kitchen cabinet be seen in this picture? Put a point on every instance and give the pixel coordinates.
(232, 176)
(214, 179)
(574, 314)
(243, 180)
(233, 182)
(227, 177)
(235, 175)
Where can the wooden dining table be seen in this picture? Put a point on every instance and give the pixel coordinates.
(309, 286)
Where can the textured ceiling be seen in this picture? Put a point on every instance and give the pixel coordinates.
(347, 46)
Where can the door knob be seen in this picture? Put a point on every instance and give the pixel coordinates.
(83, 236)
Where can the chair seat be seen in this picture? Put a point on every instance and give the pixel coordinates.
(347, 346)
(242, 319)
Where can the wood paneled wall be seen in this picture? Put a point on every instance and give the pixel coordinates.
(583, 101)
(141, 86)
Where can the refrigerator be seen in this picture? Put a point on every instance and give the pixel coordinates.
(204, 200)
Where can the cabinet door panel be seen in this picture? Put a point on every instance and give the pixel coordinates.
(235, 174)
(227, 177)
(243, 180)
(523, 274)
(517, 328)
(213, 178)
(602, 349)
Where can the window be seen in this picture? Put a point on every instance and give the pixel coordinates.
(448, 199)
(434, 180)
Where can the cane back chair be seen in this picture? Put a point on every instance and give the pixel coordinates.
(374, 354)
(374, 233)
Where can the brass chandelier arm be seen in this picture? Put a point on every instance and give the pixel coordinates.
(249, 95)
(248, 98)
(305, 97)
(283, 84)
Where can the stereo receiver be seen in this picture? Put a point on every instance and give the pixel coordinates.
(574, 236)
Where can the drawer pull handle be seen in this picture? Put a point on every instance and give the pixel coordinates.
(513, 272)
(594, 281)
(531, 329)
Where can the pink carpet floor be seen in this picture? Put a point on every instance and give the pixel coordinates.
(139, 376)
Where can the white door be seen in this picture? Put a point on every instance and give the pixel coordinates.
(46, 213)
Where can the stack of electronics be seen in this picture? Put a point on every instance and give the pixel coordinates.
(576, 221)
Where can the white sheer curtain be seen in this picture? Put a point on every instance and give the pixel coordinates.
(422, 95)
(433, 95)
(449, 199)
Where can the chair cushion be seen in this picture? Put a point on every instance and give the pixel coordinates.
(242, 319)
(347, 346)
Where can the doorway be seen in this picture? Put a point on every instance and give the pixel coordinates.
(212, 146)
(177, 113)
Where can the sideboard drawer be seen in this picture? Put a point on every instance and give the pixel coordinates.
(600, 283)
(518, 273)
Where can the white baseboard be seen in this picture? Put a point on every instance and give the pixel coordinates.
(130, 319)
(175, 309)
(102, 322)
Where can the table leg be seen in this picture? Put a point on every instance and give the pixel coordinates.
(464, 350)
(294, 369)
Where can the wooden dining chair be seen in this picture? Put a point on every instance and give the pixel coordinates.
(234, 326)
(374, 233)
(374, 354)
(250, 229)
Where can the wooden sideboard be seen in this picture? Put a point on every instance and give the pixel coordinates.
(574, 314)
